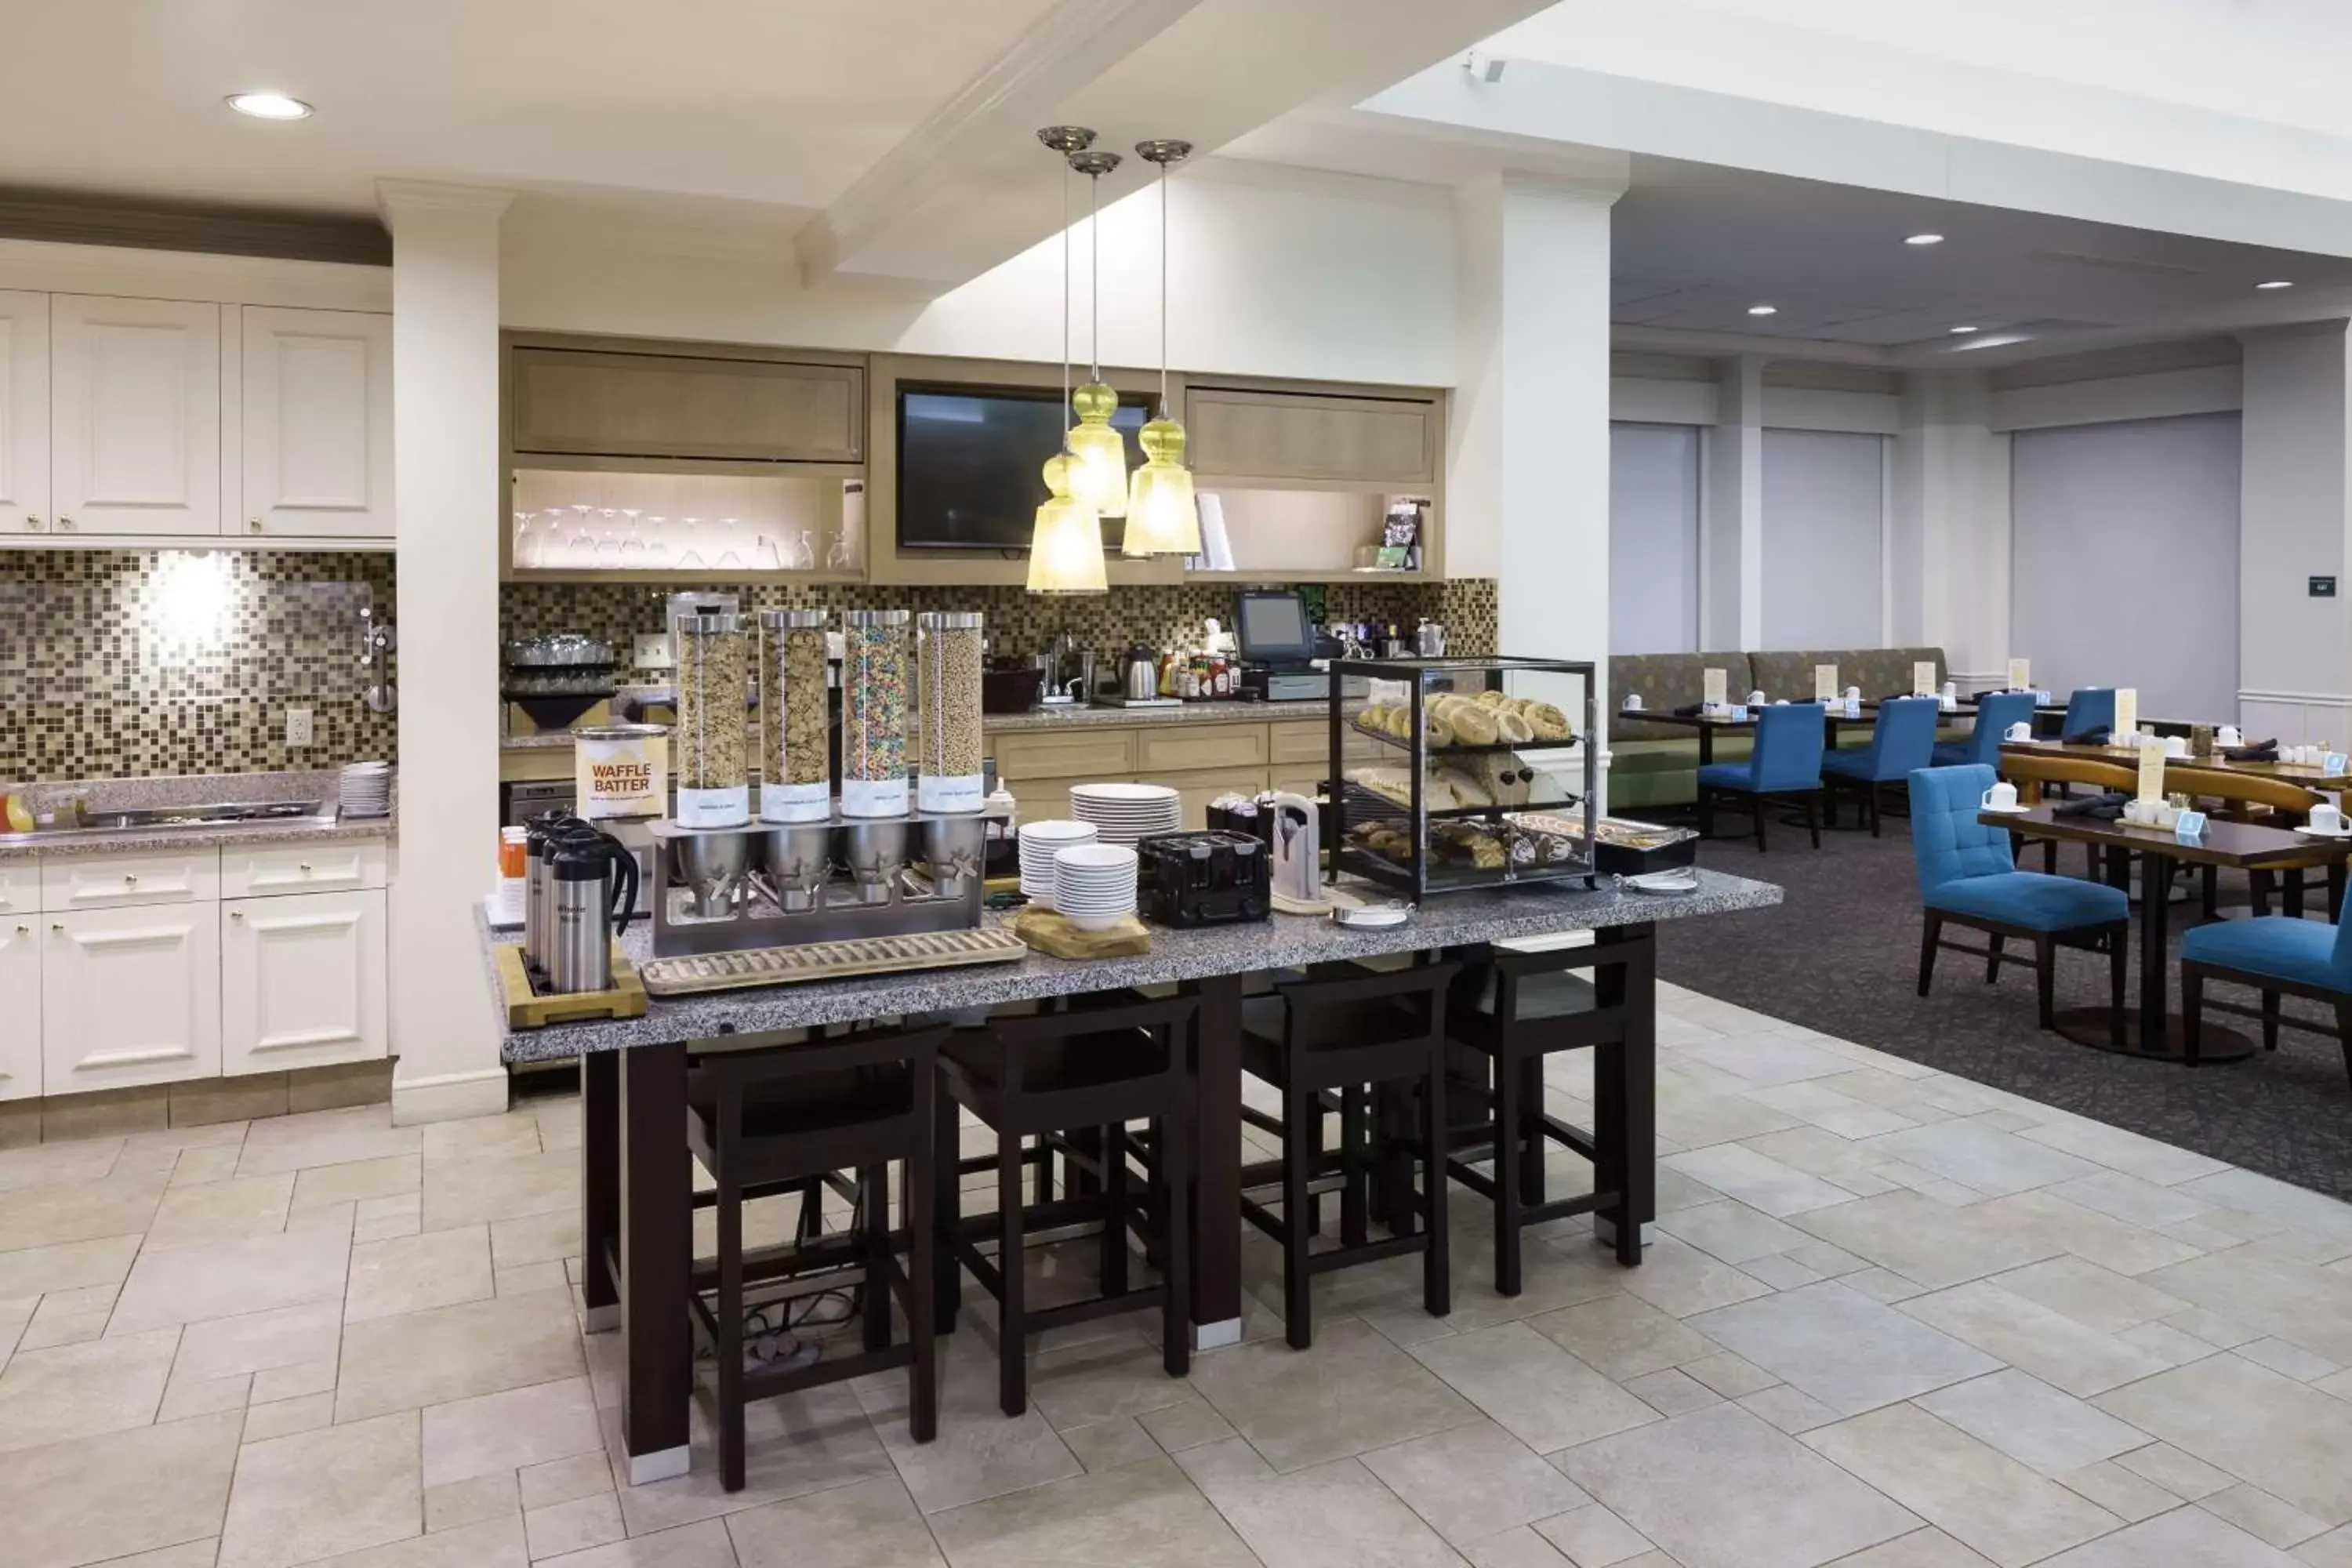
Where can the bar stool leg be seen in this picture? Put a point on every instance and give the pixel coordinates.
(1531, 1150)
(1355, 1173)
(1114, 1186)
(946, 1281)
(1437, 1263)
(729, 1348)
(1012, 1322)
(1299, 1108)
(873, 1222)
(1508, 1082)
(1176, 1309)
(920, 1187)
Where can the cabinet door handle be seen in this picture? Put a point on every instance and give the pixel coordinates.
(58, 928)
(304, 868)
(65, 522)
(254, 523)
(129, 880)
(237, 914)
(24, 931)
(33, 523)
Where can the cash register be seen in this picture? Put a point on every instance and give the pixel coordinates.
(1277, 644)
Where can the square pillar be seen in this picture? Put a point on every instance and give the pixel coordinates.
(2294, 522)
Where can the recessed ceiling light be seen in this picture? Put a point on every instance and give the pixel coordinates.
(269, 105)
(1923, 240)
(1763, 309)
(2276, 283)
(1963, 330)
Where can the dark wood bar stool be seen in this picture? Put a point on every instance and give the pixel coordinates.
(1354, 1033)
(769, 1119)
(1090, 1068)
(1515, 1009)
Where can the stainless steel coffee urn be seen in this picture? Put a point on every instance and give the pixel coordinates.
(592, 888)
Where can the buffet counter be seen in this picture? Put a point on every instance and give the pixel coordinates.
(637, 1176)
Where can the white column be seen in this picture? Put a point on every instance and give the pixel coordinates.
(1947, 533)
(1528, 471)
(2294, 522)
(1731, 542)
(445, 360)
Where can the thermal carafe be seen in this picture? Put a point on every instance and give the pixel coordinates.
(541, 835)
(592, 887)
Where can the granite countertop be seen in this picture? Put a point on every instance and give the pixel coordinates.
(118, 795)
(1279, 942)
(1223, 712)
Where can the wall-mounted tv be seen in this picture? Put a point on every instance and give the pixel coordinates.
(969, 460)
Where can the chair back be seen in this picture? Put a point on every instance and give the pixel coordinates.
(2339, 957)
(1947, 842)
(1788, 755)
(1995, 714)
(2235, 788)
(2035, 769)
(2088, 707)
(1905, 736)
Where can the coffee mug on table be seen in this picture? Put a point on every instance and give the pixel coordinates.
(1756, 699)
(1633, 702)
(1853, 694)
(2019, 731)
(2229, 736)
(2002, 796)
(2327, 819)
(2175, 745)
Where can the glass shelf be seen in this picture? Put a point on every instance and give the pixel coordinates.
(577, 522)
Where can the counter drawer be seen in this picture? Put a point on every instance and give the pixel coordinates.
(1300, 740)
(20, 887)
(1192, 747)
(335, 865)
(113, 881)
(1087, 757)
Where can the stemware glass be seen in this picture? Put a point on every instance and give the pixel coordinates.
(804, 553)
(633, 543)
(836, 554)
(581, 545)
(764, 557)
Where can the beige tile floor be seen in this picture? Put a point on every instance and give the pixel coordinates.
(1891, 1320)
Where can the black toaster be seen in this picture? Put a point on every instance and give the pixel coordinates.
(1206, 879)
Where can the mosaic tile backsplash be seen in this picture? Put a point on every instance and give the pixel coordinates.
(138, 663)
(1017, 622)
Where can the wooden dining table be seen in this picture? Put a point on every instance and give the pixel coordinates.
(2309, 775)
(2152, 1029)
(1709, 725)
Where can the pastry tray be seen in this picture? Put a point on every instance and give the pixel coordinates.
(828, 961)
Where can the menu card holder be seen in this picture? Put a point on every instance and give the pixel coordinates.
(1923, 677)
(2151, 769)
(2126, 711)
(1716, 690)
(1825, 686)
(2020, 676)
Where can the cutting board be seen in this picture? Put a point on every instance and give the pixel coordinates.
(1051, 933)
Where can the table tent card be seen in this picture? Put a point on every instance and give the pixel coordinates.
(2151, 770)
(2127, 711)
(1825, 686)
(2021, 675)
(1718, 691)
(1923, 677)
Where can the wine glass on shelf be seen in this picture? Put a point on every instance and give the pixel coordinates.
(804, 553)
(608, 541)
(764, 557)
(525, 543)
(837, 556)
(689, 558)
(657, 545)
(579, 548)
(633, 543)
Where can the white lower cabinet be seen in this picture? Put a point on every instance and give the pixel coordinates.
(302, 981)
(129, 996)
(20, 1007)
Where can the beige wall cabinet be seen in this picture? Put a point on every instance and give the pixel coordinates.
(302, 981)
(1238, 434)
(135, 416)
(316, 424)
(719, 405)
(24, 415)
(20, 1006)
(129, 996)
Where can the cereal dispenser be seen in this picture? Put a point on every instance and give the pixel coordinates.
(795, 771)
(948, 655)
(874, 712)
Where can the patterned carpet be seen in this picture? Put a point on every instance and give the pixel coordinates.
(1841, 956)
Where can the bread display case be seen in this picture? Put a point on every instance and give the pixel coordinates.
(1467, 747)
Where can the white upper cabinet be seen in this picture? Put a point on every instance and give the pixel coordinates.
(316, 413)
(23, 416)
(135, 416)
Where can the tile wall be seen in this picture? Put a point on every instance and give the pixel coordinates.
(1017, 622)
(135, 664)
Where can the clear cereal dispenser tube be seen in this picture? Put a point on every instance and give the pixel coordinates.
(947, 653)
(795, 771)
(714, 764)
(876, 709)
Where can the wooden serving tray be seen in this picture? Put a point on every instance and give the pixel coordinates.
(527, 1009)
(829, 960)
(1053, 933)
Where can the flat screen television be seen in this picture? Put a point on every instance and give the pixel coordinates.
(969, 458)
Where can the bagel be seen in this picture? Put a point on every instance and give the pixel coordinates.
(1549, 722)
(1514, 726)
(1474, 723)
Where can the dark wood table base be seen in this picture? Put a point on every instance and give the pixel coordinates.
(2093, 1026)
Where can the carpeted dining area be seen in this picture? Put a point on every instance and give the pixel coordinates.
(1841, 955)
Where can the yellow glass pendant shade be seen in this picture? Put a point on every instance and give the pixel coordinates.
(1100, 451)
(1162, 518)
(1065, 552)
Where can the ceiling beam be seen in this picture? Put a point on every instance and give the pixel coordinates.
(1061, 52)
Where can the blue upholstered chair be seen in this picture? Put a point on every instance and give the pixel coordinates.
(2274, 954)
(2088, 707)
(1995, 714)
(1902, 740)
(1968, 876)
(1786, 762)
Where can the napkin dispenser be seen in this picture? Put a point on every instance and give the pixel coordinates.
(1296, 825)
(1212, 877)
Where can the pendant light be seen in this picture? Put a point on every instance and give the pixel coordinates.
(1162, 519)
(1099, 449)
(1066, 549)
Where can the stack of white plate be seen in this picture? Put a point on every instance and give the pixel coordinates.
(366, 790)
(1127, 811)
(1094, 885)
(1040, 841)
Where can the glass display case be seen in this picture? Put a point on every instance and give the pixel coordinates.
(1483, 773)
